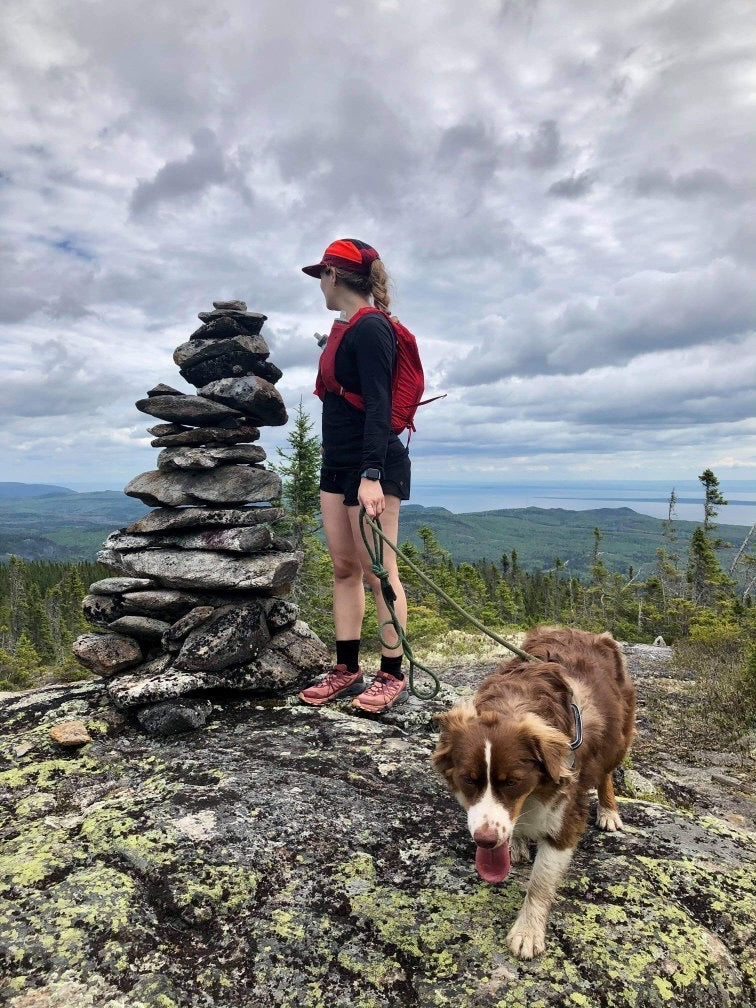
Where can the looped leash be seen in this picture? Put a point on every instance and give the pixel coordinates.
(389, 597)
(376, 560)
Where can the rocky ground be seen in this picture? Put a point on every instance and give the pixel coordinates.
(284, 857)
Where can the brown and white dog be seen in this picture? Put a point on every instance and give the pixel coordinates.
(511, 758)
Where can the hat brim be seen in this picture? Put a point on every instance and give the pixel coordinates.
(313, 271)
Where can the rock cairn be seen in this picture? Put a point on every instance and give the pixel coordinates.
(199, 606)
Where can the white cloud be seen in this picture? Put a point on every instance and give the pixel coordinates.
(562, 198)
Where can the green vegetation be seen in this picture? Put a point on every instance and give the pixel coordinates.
(65, 526)
(40, 615)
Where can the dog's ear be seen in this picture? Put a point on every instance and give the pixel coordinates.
(551, 748)
(452, 722)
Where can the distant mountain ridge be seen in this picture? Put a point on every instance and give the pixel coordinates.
(40, 528)
(19, 491)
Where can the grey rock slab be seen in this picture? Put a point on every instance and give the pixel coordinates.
(256, 398)
(194, 351)
(162, 604)
(279, 613)
(141, 627)
(171, 717)
(107, 654)
(234, 540)
(215, 436)
(176, 633)
(234, 305)
(195, 517)
(118, 585)
(232, 636)
(102, 609)
(303, 647)
(161, 429)
(270, 573)
(220, 328)
(228, 484)
(186, 409)
(163, 389)
(230, 365)
(133, 688)
(171, 459)
(251, 321)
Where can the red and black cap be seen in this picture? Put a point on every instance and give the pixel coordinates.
(347, 254)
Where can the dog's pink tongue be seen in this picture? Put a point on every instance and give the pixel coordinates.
(493, 865)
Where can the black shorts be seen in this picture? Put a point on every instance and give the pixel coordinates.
(395, 482)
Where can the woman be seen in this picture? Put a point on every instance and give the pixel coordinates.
(364, 463)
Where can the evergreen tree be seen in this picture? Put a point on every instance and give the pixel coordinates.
(300, 468)
(712, 498)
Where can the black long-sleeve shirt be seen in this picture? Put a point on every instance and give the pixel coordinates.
(353, 439)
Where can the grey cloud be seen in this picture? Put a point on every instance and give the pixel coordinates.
(687, 185)
(204, 167)
(545, 147)
(649, 311)
(58, 385)
(573, 186)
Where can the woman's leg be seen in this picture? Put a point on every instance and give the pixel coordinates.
(390, 526)
(348, 592)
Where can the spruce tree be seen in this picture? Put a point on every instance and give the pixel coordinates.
(300, 469)
(712, 498)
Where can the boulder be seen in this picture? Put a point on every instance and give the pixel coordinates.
(235, 305)
(171, 717)
(215, 436)
(161, 429)
(234, 540)
(162, 604)
(102, 609)
(193, 517)
(118, 585)
(271, 573)
(141, 627)
(70, 734)
(195, 351)
(250, 321)
(221, 328)
(107, 654)
(256, 398)
(186, 409)
(228, 484)
(173, 636)
(230, 366)
(232, 636)
(171, 459)
(279, 613)
(162, 389)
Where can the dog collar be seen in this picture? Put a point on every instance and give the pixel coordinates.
(578, 740)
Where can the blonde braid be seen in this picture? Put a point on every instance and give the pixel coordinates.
(379, 285)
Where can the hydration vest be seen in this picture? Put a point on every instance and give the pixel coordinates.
(408, 381)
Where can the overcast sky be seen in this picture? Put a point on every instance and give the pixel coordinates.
(563, 191)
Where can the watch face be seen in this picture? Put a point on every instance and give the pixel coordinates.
(372, 474)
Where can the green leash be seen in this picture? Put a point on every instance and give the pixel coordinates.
(389, 597)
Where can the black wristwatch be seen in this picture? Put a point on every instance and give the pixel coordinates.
(371, 474)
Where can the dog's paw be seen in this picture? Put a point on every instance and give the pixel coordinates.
(526, 940)
(608, 819)
(519, 850)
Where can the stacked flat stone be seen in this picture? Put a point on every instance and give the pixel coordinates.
(200, 605)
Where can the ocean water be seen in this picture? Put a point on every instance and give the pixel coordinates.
(650, 497)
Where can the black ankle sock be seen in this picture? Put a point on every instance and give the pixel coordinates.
(348, 653)
(393, 666)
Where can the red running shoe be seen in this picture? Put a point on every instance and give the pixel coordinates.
(383, 692)
(339, 683)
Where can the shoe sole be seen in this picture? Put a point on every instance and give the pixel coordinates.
(402, 698)
(350, 691)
